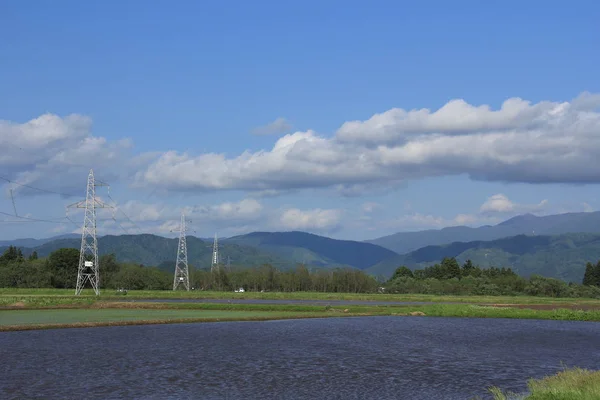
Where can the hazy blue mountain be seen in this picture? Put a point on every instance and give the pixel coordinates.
(314, 249)
(559, 256)
(404, 242)
(30, 242)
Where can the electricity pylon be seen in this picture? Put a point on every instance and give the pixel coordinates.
(215, 256)
(182, 276)
(89, 268)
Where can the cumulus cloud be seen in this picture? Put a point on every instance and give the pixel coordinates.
(499, 203)
(520, 142)
(279, 126)
(55, 152)
(311, 220)
(419, 221)
(228, 217)
(495, 209)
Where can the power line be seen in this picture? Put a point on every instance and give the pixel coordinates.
(53, 221)
(123, 212)
(38, 189)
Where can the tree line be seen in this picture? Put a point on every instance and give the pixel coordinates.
(449, 277)
(59, 270)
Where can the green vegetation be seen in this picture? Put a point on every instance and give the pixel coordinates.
(562, 257)
(43, 312)
(59, 270)
(570, 384)
(66, 316)
(12, 295)
(450, 278)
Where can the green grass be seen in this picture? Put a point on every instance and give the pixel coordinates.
(22, 317)
(570, 384)
(15, 320)
(40, 312)
(169, 294)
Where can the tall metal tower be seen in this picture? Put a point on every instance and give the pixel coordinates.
(89, 268)
(215, 256)
(182, 276)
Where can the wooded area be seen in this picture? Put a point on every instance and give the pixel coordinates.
(59, 270)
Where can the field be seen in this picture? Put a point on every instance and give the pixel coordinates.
(316, 296)
(570, 384)
(55, 308)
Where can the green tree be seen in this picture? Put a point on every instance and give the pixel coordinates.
(589, 277)
(450, 268)
(401, 271)
(33, 256)
(11, 254)
(108, 269)
(63, 264)
(468, 268)
(597, 274)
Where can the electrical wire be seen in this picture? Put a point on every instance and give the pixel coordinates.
(38, 189)
(123, 212)
(53, 221)
(66, 219)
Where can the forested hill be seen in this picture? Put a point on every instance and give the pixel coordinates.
(559, 256)
(280, 249)
(302, 247)
(155, 250)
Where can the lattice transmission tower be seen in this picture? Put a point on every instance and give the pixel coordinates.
(89, 268)
(182, 276)
(215, 265)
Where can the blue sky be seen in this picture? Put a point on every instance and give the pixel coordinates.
(168, 102)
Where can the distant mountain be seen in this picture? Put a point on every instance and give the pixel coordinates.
(30, 242)
(314, 249)
(155, 250)
(560, 256)
(404, 242)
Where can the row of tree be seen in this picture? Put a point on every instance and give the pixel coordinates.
(449, 277)
(59, 270)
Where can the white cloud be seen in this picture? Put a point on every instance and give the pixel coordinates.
(279, 126)
(57, 153)
(495, 209)
(499, 203)
(228, 218)
(244, 210)
(370, 206)
(587, 208)
(311, 220)
(520, 142)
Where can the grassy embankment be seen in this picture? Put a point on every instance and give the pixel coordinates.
(317, 296)
(570, 384)
(30, 309)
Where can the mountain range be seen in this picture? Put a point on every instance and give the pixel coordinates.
(404, 242)
(556, 246)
